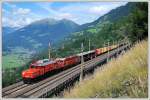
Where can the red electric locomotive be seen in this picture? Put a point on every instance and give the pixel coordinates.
(42, 67)
(38, 69)
(68, 61)
(71, 60)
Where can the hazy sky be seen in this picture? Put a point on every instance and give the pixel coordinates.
(18, 14)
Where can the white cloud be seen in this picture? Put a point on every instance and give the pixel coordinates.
(9, 22)
(98, 9)
(87, 12)
(21, 11)
(79, 12)
(57, 14)
(18, 21)
(47, 7)
(103, 9)
(18, 17)
(28, 20)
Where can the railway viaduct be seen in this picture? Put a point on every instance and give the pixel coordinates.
(58, 82)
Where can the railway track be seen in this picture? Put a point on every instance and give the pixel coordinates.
(38, 89)
(12, 86)
(35, 92)
(20, 91)
(52, 86)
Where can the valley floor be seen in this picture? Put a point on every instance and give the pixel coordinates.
(124, 77)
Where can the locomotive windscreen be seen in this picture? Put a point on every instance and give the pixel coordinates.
(32, 66)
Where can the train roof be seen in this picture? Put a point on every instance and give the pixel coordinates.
(43, 62)
(60, 58)
(87, 52)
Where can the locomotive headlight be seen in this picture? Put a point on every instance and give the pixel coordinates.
(23, 73)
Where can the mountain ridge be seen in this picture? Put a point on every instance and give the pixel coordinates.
(41, 32)
(111, 15)
(51, 30)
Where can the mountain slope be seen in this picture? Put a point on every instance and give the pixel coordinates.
(112, 16)
(7, 30)
(109, 27)
(39, 33)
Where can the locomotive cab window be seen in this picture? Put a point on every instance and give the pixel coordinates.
(45, 60)
(32, 66)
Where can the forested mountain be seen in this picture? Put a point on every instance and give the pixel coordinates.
(112, 16)
(111, 27)
(115, 25)
(6, 30)
(39, 33)
(129, 21)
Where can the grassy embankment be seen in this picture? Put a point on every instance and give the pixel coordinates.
(126, 76)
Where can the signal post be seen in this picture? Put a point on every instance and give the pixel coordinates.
(108, 51)
(49, 51)
(82, 63)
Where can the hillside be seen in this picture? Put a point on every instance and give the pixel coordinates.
(110, 26)
(132, 25)
(126, 77)
(112, 16)
(6, 30)
(39, 33)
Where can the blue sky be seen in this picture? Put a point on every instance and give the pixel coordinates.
(19, 14)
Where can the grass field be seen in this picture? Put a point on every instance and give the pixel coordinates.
(124, 77)
(11, 61)
(14, 60)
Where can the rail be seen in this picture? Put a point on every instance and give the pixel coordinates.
(50, 84)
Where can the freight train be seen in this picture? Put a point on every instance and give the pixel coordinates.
(40, 68)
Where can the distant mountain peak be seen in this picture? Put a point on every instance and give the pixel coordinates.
(39, 33)
(46, 20)
(67, 21)
(64, 19)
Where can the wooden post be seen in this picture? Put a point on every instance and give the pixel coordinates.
(82, 62)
